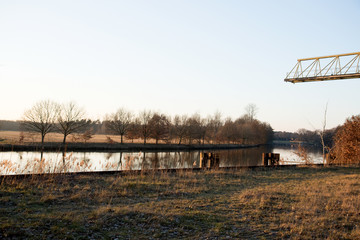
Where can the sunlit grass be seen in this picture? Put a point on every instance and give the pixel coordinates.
(298, 203)
(13, 137)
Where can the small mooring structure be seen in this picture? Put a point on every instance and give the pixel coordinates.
(209, 160)
(270, 159)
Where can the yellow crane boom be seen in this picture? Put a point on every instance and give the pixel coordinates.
(333, 67)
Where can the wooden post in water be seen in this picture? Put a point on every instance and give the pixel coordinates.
(265, 159)
(209, 160)
(274, 159)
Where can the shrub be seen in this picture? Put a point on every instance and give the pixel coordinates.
(347, 142)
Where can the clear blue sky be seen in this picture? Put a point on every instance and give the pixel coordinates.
(178, 57)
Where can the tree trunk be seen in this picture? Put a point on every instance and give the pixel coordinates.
(121, 141)
(64, 139)
(42, 146)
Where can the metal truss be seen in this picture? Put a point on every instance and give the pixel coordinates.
(343, 66)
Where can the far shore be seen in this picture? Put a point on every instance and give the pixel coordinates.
(100, 147)
(25, 141)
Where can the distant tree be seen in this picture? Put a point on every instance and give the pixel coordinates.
(196, 128)
(21, 137)
(262, 132)
(119, 122)
(251, 111)
(71, 120)
(214, 123)
(143, 119)
(134, 130)
(228, 131)
(159, 127)
(6, 125)
(87, 135)
(97, 127)
(285, 136)
(180, 127)
(246, 131)
(309, 137)
(41, 118)
(244, 126)
(203, 129)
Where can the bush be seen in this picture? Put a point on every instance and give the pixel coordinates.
(347, 142)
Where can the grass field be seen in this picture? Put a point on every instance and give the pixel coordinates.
(297, 203)
(13, 137)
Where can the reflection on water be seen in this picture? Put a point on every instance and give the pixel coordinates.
(29, 162)
(291, 155)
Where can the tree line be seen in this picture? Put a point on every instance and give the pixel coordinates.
(341, 144)
(309, 137)
(67, 119)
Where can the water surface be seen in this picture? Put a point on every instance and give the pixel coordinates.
(29, 162)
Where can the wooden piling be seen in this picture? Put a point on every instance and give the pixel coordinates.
(271, 159)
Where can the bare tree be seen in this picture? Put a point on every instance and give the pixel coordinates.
(133, 131)
(41, 118)
(71, 120)
(87, 135)
(203, 129)
(251, 111)
(159, 127)
(180, 127)
(228, 131)
(214, 124)
(119, 122)
(322, 133)
(196, 128)
(144, 126)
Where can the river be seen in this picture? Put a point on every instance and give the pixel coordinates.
(29, 162)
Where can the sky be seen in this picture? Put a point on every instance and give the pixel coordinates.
(178, 57)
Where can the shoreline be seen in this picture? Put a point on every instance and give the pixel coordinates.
(103, 147)
(176, 170)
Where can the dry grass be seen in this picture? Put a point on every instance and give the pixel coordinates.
(15, 136)
(299, 203)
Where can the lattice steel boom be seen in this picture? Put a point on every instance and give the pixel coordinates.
(343, 66)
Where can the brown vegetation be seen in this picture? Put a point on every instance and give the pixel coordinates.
(297, 203)
(119, 123)
(71, 120)
(347, 142)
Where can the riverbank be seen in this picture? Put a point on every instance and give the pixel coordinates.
(276, 203)
(102, 147)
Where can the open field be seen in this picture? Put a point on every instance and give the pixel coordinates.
(297, 203)
(14, 137)
(10, 141)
